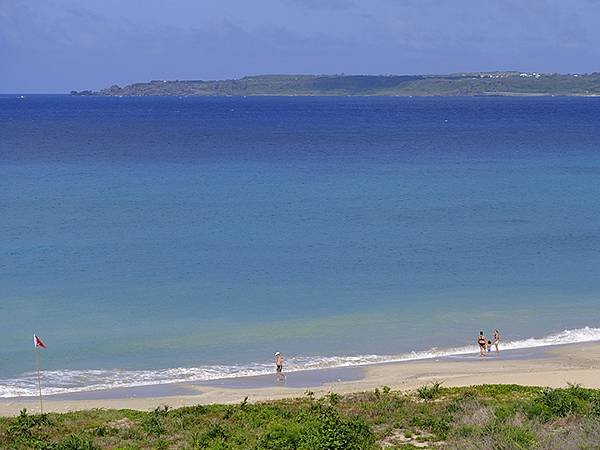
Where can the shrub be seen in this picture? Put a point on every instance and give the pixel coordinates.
(154, 422)
(595, 406)
(505, 412)
(478, 417)
(580, 392)
(557, 403)
(280, 436)
(196, 410)
(228, 413)
(100, 431)
(515, 437)
(333, 398)
(161, 444)
(326, 429)
(440, 425)
(215, 437)
(537, 410)
(467, 431)
(429, 392)
(216, 432)
(27, 430)
(26, 424)
(75, 442)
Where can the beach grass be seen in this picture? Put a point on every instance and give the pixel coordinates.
(477, 417)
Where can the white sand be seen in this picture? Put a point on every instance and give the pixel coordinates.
(559, 365)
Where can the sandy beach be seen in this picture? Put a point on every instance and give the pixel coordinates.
(550, 366)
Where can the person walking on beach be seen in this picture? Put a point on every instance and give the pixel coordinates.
(481, 341)
(279, 366)
(496, 339)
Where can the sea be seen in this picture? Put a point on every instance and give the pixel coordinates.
(158, 240)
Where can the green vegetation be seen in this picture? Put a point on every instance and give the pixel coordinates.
(429, 391)
(480, 83)
(481, 417)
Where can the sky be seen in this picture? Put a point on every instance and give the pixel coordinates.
(52, 46)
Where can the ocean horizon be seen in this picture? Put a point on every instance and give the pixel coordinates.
(157, 240)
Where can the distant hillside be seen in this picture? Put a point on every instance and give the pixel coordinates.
(481, 83)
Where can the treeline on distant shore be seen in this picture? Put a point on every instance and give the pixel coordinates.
(477, 417)
(464, 84)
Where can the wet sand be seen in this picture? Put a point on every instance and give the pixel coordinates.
(548, 366)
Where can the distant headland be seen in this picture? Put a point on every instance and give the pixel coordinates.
(461, 84)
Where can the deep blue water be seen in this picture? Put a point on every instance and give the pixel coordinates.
(151, 233)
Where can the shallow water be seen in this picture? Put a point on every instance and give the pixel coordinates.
(188, 238)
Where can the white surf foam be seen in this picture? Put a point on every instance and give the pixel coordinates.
(68, 381)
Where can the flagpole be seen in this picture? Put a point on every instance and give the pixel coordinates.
(39, 378)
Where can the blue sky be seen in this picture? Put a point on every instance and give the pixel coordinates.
(59, 45)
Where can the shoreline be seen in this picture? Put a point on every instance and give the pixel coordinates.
(307, 371)
(552, 366)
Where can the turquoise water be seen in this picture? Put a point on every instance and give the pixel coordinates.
(159, 239)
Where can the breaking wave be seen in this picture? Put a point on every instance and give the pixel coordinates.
(68, 381)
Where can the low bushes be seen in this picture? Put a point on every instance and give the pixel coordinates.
(574, 400)
(477, 417)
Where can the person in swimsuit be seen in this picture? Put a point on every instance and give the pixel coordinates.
(481, 341)
(279, 366)
(496, 340)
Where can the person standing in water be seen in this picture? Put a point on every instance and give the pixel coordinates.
(279, 366)
(496, 339)
(481, 341)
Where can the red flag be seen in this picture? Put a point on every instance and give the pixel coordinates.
(37, 342)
